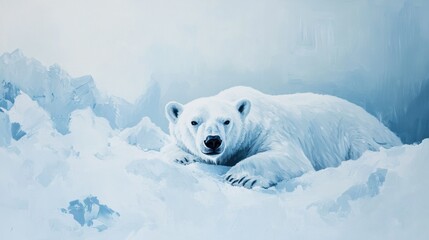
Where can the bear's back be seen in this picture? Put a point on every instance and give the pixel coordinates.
(327, 128)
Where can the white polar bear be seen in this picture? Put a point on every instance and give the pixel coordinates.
(268, 139)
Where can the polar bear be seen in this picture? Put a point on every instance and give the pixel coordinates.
(271, 138)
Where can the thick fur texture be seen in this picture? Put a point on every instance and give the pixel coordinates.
(267, 138)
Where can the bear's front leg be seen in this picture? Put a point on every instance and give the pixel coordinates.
(267, 169)
(172, 151)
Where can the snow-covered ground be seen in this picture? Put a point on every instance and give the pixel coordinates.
(101, 183)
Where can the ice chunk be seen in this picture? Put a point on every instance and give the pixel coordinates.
(5, 134)
(122, 114)
(53, 89)
(8, 93)
(91, 213)
(17, 132)
(60, 94)
(30, 116)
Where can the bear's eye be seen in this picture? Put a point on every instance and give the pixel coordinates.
(194, 123)
(226, 122)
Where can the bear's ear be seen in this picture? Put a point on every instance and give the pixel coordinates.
(173, 110)
(243, 107)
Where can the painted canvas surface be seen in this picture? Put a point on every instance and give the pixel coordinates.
(90, 92)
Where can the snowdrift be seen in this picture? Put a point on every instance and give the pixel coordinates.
(99, 183)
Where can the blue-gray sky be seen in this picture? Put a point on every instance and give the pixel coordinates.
(124, 44)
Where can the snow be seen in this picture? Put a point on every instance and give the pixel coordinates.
(146, 135)
(93, 183)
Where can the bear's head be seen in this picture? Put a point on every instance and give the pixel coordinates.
(208, 128)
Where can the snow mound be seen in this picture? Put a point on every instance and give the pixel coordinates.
(95, 129)
(146, 135)
(380, 195)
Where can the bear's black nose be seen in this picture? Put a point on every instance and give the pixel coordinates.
(213, 142)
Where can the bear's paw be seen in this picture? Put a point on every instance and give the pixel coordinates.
(248, 181)
(185, 160)
(176, 154)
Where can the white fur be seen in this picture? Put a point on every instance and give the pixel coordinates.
(273, 138)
